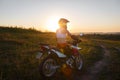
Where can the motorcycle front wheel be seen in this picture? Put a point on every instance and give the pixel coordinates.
(79, 62)
(47, 67)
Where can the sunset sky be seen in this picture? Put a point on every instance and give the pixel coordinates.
(84, 15)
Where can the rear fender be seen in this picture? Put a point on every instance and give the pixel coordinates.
(44, 48)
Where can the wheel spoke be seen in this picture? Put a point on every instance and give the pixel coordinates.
(48, 69)
(79, 62)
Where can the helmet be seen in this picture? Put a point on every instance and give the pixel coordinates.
(63, 20)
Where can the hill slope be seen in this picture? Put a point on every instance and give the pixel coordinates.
(18, 49)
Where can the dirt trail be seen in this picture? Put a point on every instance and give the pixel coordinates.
(93, 71)
(117, 48)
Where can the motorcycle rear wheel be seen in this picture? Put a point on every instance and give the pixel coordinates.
(47, 67)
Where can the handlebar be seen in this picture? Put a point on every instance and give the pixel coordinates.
(74, 42)
(74, 37)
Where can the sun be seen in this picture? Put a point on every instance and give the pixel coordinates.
(52, 23)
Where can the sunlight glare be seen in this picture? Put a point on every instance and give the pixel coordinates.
(52, 23)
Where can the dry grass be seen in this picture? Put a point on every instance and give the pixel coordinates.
(18, 50)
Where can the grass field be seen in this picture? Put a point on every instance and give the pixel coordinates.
(18, 50)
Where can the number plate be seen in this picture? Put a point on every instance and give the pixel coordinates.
(39, 55)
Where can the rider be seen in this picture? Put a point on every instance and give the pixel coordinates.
(61, 35)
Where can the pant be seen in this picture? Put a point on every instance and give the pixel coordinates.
(65, 49)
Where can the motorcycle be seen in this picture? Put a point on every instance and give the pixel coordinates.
(55, 58)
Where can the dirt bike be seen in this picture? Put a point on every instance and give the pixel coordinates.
(56, 58)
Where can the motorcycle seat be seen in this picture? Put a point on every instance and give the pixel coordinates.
(55, 48)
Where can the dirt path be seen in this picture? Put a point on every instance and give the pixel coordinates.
(118, 49)
(93, 71)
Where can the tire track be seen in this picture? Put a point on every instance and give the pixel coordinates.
(92, 72)
(118, 49)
